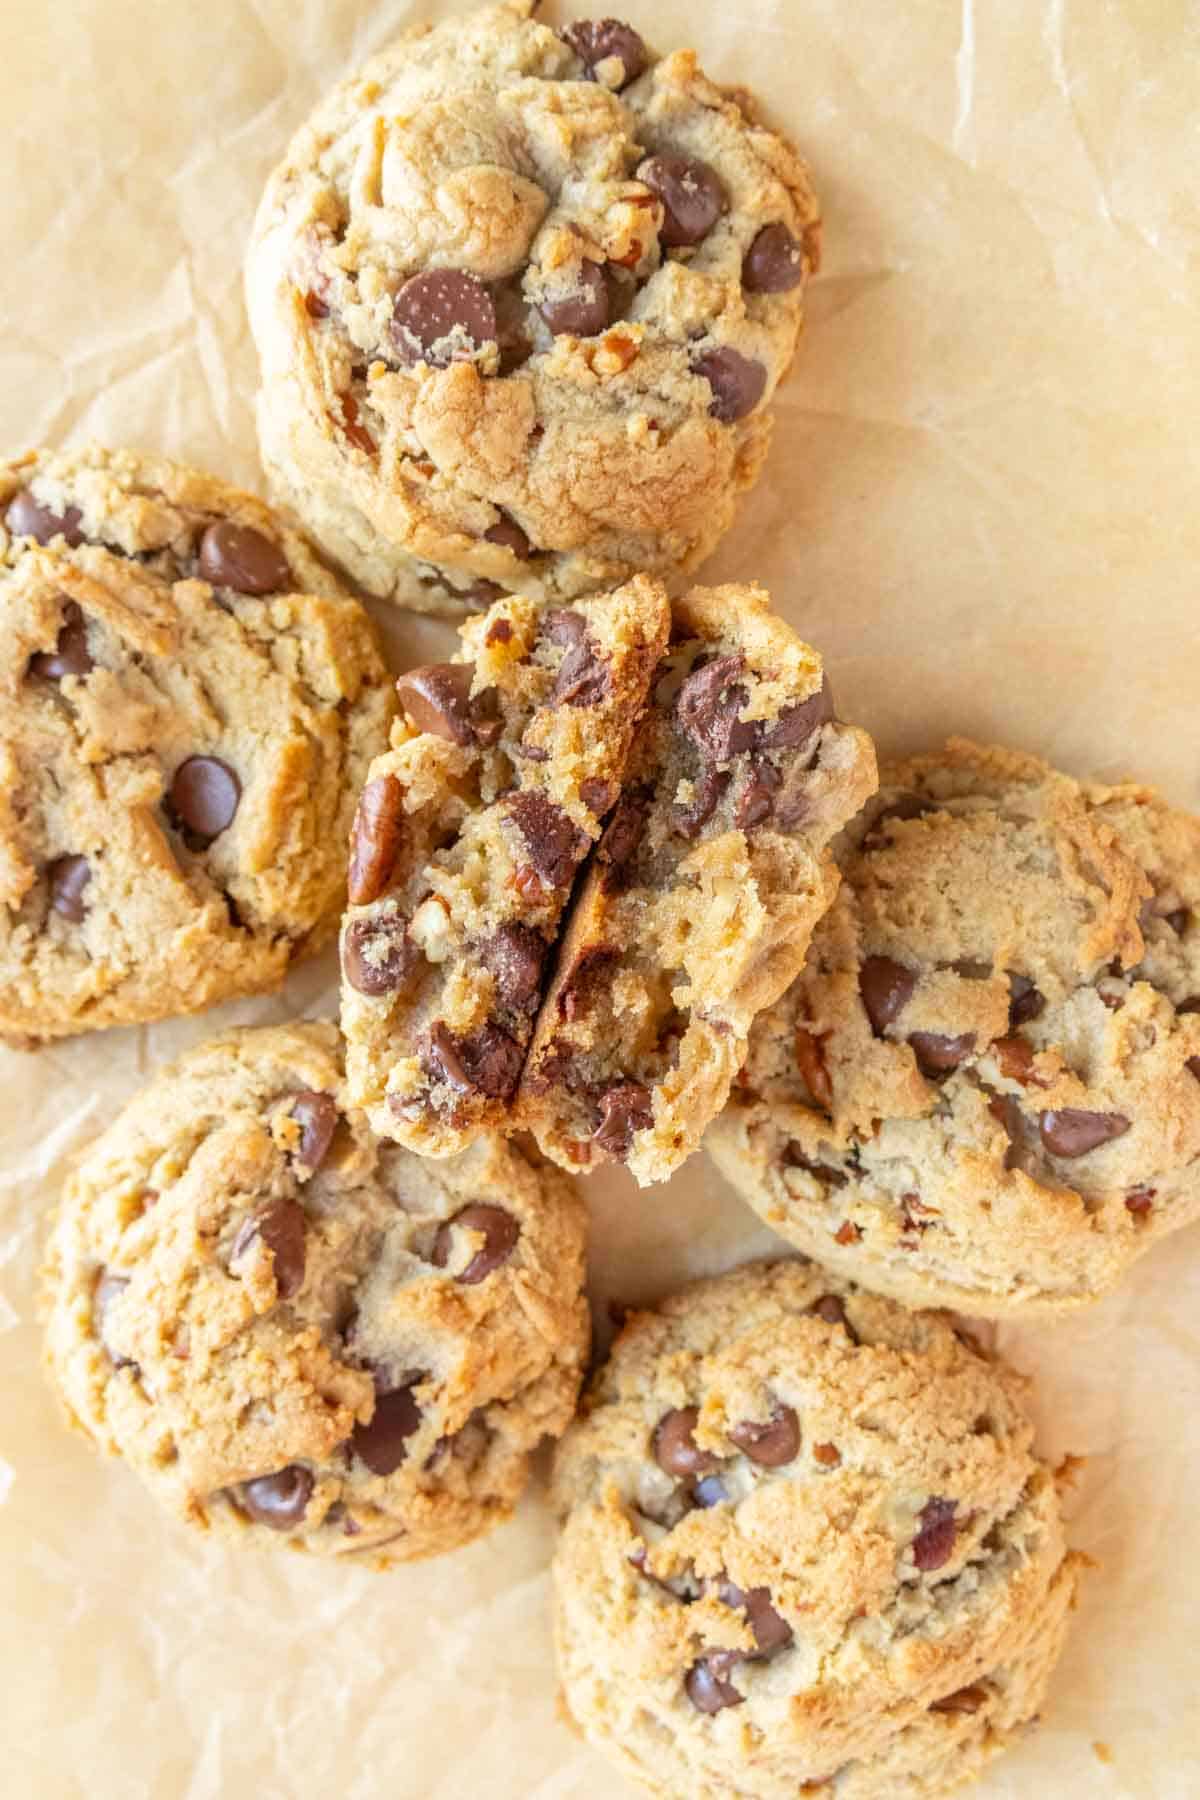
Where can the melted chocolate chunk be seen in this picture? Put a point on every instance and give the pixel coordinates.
(757, 798)
(1072, 1132)
(675, 1449)
(771, 1631)
(692, 196)
(831, 1308)
(377, 956)
(238, 557)
(1026, 1002)
(278, 1500)
(774, 263)
(499, 1231)
(584, 677)
(581, 309)
(486, 1062)
(707, 1688)
(281, 1226)
(708, 790)
(317, 1116)
(937, 1054)
(886, 988)
(382, 1443)
(68, 877)
(442, 316)
(625, 1108)
(437, 699)
(707, 707)
(515, 955)
(27, 517)
(70, 655)
(737, 383)
(508, 533)
(597, 41)
(622, 836)
(769, 1442)
(796, 724)
(554, 844)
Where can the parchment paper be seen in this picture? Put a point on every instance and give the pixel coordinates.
(981, 504)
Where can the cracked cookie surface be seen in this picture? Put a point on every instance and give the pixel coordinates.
(466, 845)
(807, 1547)
(298, 1335)
(188, 703)
(983, 1091)
(521, 299)
(697, 908)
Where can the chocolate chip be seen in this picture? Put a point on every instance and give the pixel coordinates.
(831, 1308)
(796, 724)
(937, 1054)
(675, 1449)
(758, 795)
(707, 791)
(905, 806)
(278, 1500)
(886, 988)
(1073, 1132)
(507, 533)
(238, 557)
(205, 794)
(27, 517)
(934, 1542)
(281, 1226)
(67, 877)
(597, 41)
(377, 955)
(625, 1108)
(737, 383)
(554, 844)
(442, 316)
(581, 309)
(436, 699)
(1190, 1005)
(709, 1491)
(771, 1631)
(584, 677)
(774, 263)
(515, 955)
(375, 839)
(1026, 1002)
(707, 1688)
(962, 1700)
(70, 655)
(1007, 1113)
(622, 835)
(691, 193)
(707, 707)
(317, 1116)
(108, 1290)
(581, 981)
(769, 1442)
(382, 1443)
(499, 1231)
(486, 1062)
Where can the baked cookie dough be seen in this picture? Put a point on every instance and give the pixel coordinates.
(522, 298)
(466, 845)
(807, 1548)
(984, 1089)
(698, 906)
(297, 1335)
(188, 705)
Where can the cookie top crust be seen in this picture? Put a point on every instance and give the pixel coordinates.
(984, 1088)
(188, 700)
(807, 1546)
(297, 1335)
(521, 299)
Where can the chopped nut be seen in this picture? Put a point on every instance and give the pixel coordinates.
(811, 1063)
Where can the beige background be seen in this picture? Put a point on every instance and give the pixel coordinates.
(982, 504)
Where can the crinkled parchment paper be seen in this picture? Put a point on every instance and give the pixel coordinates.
(982, 504)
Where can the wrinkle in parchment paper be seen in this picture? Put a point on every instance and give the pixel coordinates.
(981, 505)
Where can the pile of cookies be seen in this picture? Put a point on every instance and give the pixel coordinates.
(612, 879)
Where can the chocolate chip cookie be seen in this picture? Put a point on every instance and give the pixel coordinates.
(807, 1547)
(298, 1335)
(188, 703)
(698, 905)
(522, 298)
(984, 1089)
(465, 846)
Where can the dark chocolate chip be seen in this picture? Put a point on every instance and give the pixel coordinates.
(580, 982)
(886, 987)
(281, 1226)
(108, 1290)
(1072, 1132)
(1026, 1002)
(796, 724)
(584, 677)
(934, 1543)
(675, 1449)
(515, 955)
(317, 1116)
(758, 795)
(707, 1688)
(27, 517)
(937, 1054)
(771, 1631)
(382, 1443)
(238, 557)
(68, 877)
(580, 309)
(554, 844)
(442, 316)
(278, 1500)
(905, 806)
(1006, 1112)
(499, 1231)
(831, 1308)
(769, 1442)
(774, 263)
(962, 1700)
(623, 834)
(737, 383)
(607, 40)
(375, 839)
(70, 655)
(707, 791)
(436, 699)
(691, 193)
(205, 794)
(509, 535)
(1190, 1005)
(486, 1062)
(377, 956)
(707, 707)
(625, 1108)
